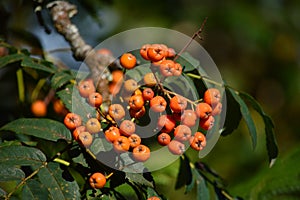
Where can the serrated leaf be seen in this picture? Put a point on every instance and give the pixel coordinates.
(30, 63)
(5, 60)
(232, 110)
(34, 190)
(184, 176)
(47, 129)
(59, 79)
(9, 173)
(271, 142)
(100, 145)
(138, 178)
(246, 116)
(58, 188)
(21, 155)
(75, 103)
(202, 189)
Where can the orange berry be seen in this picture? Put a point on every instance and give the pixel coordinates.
(130, 85)
(112, 134)
(176, 147)
(97, 180)
(167, 67)
(198, 141)
(59, 107)
(95, 99)
(182, 133)
(136, 102)
(149, 79)
(86, 87)
(85, 139)
(117, 76)
(144, 50)
(188, 118)
(166, 123)
(116, 111)
(121, 144)
(212, 96)
(203, 110)
(158, 104)
(141, 153)
(177, 71)
(128, 61)
(39, 108)
(93, 125)
(155, 52)
(72, 121)
(127, 127)
(78, 130)
(217, 109)
(135, 140)
(164, 139)
(178, 104)
(104, 51)
(208, 123)
(148, 94)
(137, 113)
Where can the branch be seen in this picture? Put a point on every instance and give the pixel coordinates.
(61, 13)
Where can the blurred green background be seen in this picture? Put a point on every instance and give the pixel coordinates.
(255, 44)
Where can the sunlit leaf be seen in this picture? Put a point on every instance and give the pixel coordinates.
(47, 129)
(5, 60)
(8, 173)
(60, 78)
(21, 155)
(246, 116)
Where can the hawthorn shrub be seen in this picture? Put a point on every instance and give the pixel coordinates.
(88, 136)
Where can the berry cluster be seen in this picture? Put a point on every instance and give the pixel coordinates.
(180, 122)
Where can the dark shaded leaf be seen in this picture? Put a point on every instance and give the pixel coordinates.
(233, 114)
(188, 62)
(21, 155)
(47, 129)
(58, 188)
(100, 145)
(246, 116)
(202, 190)
(271, 142)
(5, 60)
(117, 179)
(59, 79)
(30, 63)
(184, 176)
(34, 190)
(8, 173)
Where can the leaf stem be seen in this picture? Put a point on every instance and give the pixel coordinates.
(21, 88)
(61, 161)
(205, 79)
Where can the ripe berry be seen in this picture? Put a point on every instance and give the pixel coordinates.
(203, 110)
(212, 96)
(167, 67)
(171, 53)
(141, 153)
(158, 104)
(166, 123)
(114, 87)
(208, 123)
(72, 121)
(112, 134)
(95, 99)
(153, 198)
(135, 140)
(116, 111)
(104, 51)
(78, 130)
(86, 87)
(178, 104)
(177, 71)
(144, 50)
(148, 94)
(128, 61)
(164, 139)
(149, 79)
(127, 127)
(217, 109)
(136, 102)
(39, 108)
(117, 76)
(97, 180)
(198, 141)
(59, 107)
(93, 126)
(85, 138)
(155, 52)
(188, 118)
(182, 133)
(130, 85)
(176, 147)
(121, 144)
(137, 113)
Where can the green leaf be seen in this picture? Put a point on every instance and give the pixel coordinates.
(10, 59)
(34, 190)
(184, 176)
(30, 63)
(271, 142)
(139, 179)
(202, 190)
(232, 110)
(75, 103)
(151, 192)
(100, 145)
(8, 173)
(58, 188)
(246, 116)
(60, 78)
(47, 129)
(188, 62)
(21, 155)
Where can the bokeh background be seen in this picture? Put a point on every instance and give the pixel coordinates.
(255, 44)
